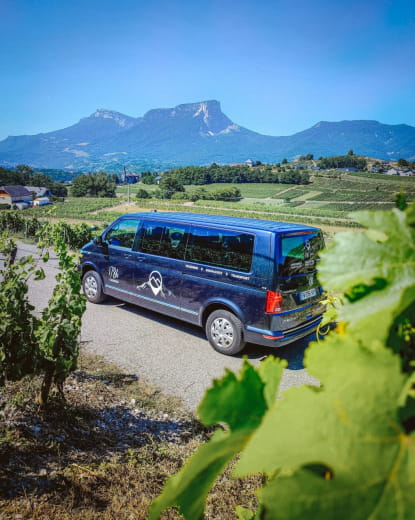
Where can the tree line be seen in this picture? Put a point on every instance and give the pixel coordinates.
(24, 175)
(236, 174)
(343, 161)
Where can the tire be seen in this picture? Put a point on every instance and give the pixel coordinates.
(224, 332)
(92, 287)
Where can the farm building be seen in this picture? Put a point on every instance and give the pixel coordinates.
(39, 191)
(41, 201)
(15, 194)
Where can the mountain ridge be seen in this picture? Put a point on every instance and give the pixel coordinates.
(195, 133)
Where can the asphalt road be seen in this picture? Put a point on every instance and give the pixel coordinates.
(172, 354)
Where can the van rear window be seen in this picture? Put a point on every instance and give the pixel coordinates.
(299, 253)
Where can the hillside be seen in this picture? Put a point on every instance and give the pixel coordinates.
(195, 133)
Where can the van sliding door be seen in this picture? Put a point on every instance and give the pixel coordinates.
(158, 266)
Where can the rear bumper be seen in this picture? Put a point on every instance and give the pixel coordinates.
(274, 339)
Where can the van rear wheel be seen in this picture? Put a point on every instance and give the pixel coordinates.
(224, 332)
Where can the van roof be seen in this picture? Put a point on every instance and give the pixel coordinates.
(240, 222)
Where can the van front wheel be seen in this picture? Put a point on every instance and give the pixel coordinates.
(224, 332)
(92, 286)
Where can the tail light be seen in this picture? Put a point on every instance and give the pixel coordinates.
(273, 302)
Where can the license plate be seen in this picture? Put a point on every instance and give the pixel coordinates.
(305, 295)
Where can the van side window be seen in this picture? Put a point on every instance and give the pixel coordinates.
(175, 237)
(164, 240)
(221, 248)
(151, 234)
(123, 233)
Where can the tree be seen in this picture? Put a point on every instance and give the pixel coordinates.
(148, 178)
(343, 161)
(180, 195)
(25, 171)
(143, 194)
(293, 177)
(284, 161)
(199, 193)
(350, 152)
(40, 179)
(308, 157)
(59, 189)
(403, 163)
(169, 185)
(224, 194)
(93, 185)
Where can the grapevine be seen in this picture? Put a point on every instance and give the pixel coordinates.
(49, 345)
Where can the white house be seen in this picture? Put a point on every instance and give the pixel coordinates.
(41, 201)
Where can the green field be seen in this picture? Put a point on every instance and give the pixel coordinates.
(327, 200)
(74, 207)
(123, 190)
(252, 190)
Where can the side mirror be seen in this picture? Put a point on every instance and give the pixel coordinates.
(98, 241)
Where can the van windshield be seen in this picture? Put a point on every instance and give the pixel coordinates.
(298, 253)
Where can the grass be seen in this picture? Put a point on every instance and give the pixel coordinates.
(123, 190)
(250, 190)
(104, 453)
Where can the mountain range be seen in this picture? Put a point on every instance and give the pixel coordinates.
(194, 134)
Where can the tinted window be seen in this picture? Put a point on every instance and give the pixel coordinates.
(176, 239)
(122, 234)
(220, 248)
(299, 253)
(151, 238)
(164, 240)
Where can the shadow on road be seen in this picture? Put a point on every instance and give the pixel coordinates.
(293, 353)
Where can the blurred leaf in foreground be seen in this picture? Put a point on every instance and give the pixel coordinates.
(239, 403)
(338, 451)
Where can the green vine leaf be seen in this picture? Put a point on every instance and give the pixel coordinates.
(244, 514)
(305, 494)
(39, 274)
(240, 403)
(345, 452)
(373, 269)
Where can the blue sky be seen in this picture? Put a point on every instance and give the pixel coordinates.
(277, 67)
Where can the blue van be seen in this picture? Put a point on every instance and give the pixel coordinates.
(242, 280)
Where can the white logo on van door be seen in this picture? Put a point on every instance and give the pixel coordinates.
(155, 282)
(113, 272)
